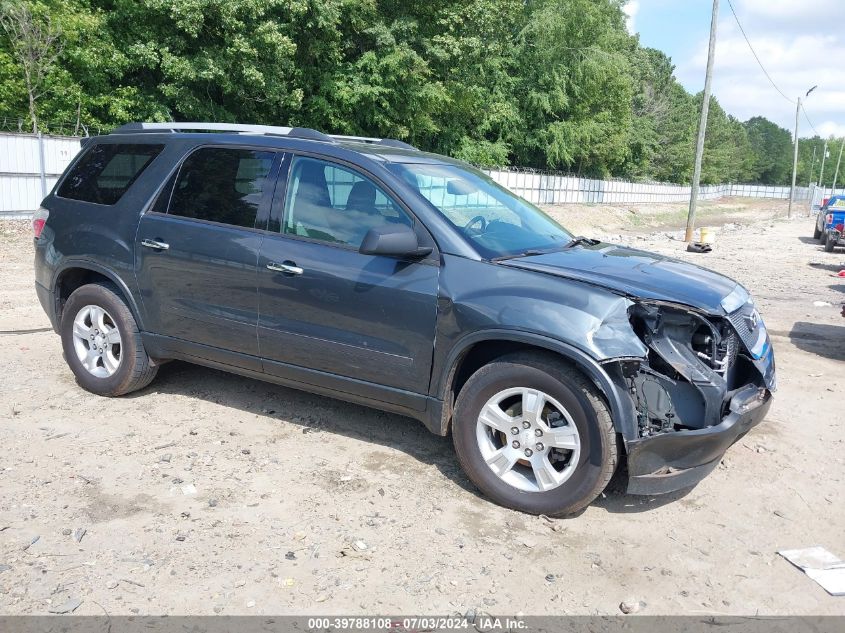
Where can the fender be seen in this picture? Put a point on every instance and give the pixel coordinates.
(87, 264)
(606, 376)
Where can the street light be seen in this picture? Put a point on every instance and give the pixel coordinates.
(795, 154)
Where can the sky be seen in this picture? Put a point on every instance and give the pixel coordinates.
(800, 44)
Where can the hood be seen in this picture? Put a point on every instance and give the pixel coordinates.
(634, 273)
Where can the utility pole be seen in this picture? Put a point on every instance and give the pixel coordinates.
(821, 173)
(794, 161)
(702, 124)
(813, 164)
(795, 155)
(836, 173)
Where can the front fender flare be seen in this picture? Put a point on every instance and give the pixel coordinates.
(606, 375)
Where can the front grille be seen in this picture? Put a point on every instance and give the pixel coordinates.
(740, 320)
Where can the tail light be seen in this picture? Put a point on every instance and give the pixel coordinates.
(39, 220)
(828, 219)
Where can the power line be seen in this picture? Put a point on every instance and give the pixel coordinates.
(806, 116)
(753, 52)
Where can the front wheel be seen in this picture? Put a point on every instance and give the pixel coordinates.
(535, 435)
(817, 232)
(102, 342)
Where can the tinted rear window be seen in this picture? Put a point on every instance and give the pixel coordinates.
(106, 171)
(220, 185)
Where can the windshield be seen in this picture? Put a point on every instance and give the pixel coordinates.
(497, 222)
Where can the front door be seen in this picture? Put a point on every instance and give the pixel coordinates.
(323, 306)
(196, 250)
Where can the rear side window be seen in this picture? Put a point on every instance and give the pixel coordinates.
(106, 171)
(220, 185)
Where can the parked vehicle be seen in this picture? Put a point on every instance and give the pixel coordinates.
(830, 222)
(369, 271)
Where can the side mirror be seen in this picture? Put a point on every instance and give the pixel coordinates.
(393, 240)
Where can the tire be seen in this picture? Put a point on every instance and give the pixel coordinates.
(828, 243)
(133, 370)
(597, 456)
(817, 233)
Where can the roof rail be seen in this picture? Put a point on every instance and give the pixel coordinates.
(389, 142)
(268, 130)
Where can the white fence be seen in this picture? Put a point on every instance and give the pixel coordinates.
(29, 167)
(31, 164)
(548, 188)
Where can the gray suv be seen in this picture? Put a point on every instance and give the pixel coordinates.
(369, 271)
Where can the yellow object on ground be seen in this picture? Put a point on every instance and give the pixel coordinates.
(706, 235)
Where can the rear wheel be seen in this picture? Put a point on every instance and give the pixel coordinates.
(535, 435)
(828, 243)
(102, 343)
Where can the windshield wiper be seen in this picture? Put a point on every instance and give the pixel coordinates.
(577, 241)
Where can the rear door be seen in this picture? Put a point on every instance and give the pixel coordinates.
(326, 307)
(196, 249)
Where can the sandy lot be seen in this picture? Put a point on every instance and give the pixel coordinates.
(209, 493)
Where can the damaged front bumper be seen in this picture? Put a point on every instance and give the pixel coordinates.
(704, 383)
(672, 461)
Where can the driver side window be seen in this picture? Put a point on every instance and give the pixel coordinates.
(334, 204)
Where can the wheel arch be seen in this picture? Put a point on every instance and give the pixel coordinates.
(77, 273)
(475, 350)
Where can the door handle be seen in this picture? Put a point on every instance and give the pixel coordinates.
(287, 268)
(160, 246)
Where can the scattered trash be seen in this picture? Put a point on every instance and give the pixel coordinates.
(163, 446)
(298, 536)
(321, 598)
(841, 273)
(4, 568)
(822, 304)
(31, 543)
(631, 606)
(550, 578)
(166, 458)
(290, 556)
(112, 584)
(190, 489)
(131, 582)
(78, 534)
(250, 604)
(68, 607)
(820, 565)
(245, 451)
(181, 537)
(67, 532)
(359, 546)
(287, 582)
(698, 247)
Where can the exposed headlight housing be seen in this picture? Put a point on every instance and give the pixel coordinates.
(737, 298)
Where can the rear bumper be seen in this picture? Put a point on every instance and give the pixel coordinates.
(673, 461)
(48, 303)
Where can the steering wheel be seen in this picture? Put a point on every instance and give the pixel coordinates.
(479, 219)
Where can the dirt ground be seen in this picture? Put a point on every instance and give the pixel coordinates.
(210, 493)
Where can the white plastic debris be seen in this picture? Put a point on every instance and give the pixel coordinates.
(820, 565)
